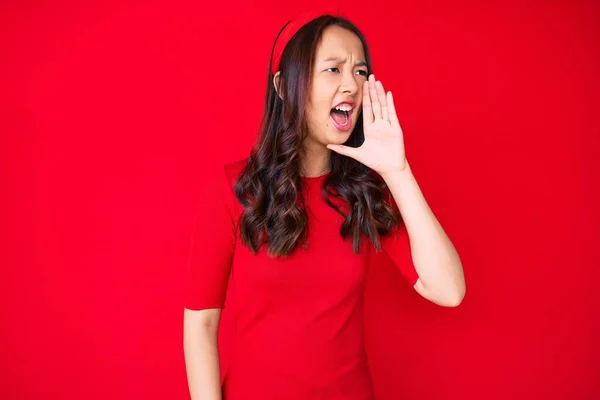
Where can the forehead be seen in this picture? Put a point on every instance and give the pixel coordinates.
(337, 41)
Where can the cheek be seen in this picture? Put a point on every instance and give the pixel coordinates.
(319, 102)
(320, 111)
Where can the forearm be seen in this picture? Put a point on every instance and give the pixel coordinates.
(202, 364)
(435, 259)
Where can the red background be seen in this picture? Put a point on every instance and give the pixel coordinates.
(111, 112)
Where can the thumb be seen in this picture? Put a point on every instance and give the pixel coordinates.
(343, 150)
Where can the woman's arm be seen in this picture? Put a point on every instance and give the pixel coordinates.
(441, 277)
(212, 245)
(200, 329)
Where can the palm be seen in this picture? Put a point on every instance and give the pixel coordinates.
(383, 147)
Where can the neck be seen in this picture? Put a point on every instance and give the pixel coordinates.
(315, 161)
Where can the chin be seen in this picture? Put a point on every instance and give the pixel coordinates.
(338, 138)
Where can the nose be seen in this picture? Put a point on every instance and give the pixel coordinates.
(349, 83)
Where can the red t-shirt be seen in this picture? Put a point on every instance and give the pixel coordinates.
(298, 320)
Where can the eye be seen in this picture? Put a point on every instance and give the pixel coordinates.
(360, 71)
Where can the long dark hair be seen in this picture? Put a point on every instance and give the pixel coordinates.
(270, 184)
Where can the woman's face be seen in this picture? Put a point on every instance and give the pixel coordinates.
(339, 72)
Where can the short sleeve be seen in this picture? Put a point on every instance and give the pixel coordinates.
(397, 247)
(212, 245)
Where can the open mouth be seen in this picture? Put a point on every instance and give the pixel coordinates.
(341, 119)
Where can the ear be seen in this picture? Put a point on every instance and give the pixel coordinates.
(276, 82)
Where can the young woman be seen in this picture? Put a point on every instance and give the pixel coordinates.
(287, 232)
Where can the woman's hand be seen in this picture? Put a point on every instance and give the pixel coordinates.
(383, 148)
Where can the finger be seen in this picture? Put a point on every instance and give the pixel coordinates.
(343, 150)
(393, 117)
(367, 110)
(374, 100)
(382, 99)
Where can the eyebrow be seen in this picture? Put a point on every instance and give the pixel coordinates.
(343, 60)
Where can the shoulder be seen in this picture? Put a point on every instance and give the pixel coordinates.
(216, 203)
(233, 170)
(227, 177)
(217, 184)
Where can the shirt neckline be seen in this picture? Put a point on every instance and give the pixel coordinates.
(315, 178)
